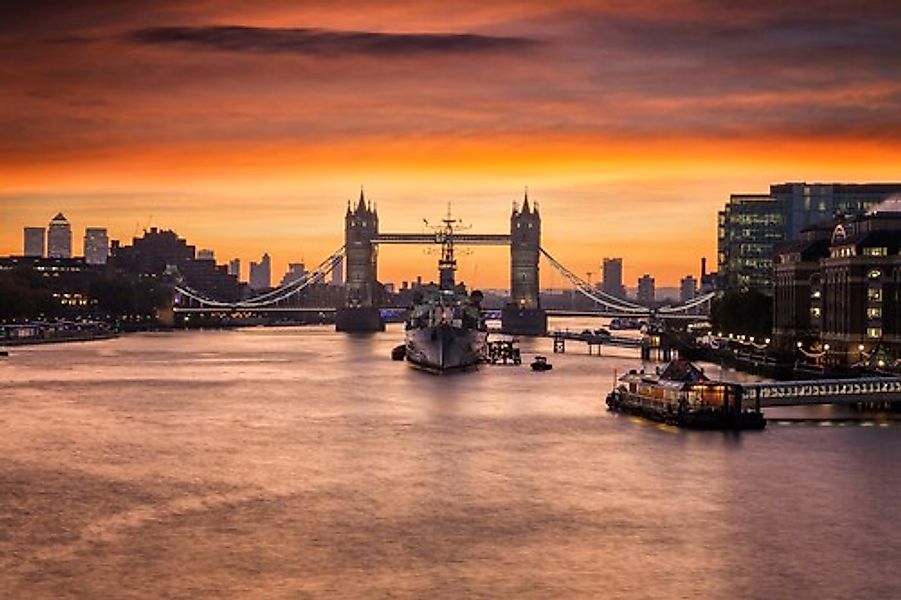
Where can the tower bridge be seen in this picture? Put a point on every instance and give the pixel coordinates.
(361, 310)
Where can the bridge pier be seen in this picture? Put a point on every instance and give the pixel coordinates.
(359, 319)
(523, 321)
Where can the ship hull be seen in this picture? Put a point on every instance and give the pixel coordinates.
(445, 348)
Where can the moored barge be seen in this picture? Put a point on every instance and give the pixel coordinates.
(682, 395)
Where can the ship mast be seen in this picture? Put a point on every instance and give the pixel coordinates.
(447, 264)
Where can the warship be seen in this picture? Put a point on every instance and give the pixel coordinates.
(445, 330)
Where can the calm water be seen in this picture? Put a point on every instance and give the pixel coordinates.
(293, 463)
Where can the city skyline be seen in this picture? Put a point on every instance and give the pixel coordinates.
(245, 129)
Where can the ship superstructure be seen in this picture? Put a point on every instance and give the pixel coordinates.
(445, 330)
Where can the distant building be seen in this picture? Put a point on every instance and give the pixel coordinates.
(59, 238)
(840, 285)
(708, 280)
(751, 225)
(234, 267)
(34, 242)
(205, 254)
(160, 252)
(96, 246)
(295, 272)
(612, 282)
(688, 288)
(646, 294)
(261, 273)
(338, 273)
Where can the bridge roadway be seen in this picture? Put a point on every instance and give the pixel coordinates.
(824, 391)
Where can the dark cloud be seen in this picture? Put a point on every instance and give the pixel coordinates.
(324, 42)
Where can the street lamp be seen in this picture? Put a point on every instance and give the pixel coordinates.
(860, 353)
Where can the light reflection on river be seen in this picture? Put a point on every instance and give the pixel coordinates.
(301, 462)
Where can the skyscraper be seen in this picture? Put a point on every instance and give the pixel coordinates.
(59, 238)
(96, 246)
(688, 288)
(646, 294)
(234, 267)
(295, 272)
(34, 243)
(261, 273)
(612, 282)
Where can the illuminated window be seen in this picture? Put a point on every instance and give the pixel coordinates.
(876, 251)
(815, 312)
(874, 273)
(874, 332)
(816, 294)
(874, 294)
(874, 313)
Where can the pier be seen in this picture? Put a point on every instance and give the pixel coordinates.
(865, 391)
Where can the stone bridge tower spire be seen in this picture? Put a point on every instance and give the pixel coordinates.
(360, 312)
(524, 314)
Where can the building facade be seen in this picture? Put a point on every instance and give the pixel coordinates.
(840, 287)
(295, 272)
(96, 246)
(688, 288)
(751, 225)
(612, 277)
(261, 273)
(59, 237)
(646, 291)
(234, 267)
(748, 228)
(525, 247)
(34, 242)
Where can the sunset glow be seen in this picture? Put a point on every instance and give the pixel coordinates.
(246, 127)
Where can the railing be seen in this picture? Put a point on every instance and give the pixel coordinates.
(825, 391)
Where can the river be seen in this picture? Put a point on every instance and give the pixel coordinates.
(298, 462)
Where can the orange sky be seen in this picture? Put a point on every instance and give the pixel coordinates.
(246, 129)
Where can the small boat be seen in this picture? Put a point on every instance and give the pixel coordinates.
(541, 364)
(399, 352)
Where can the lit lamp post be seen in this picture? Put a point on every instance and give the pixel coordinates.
(860, 353)
(825, 354)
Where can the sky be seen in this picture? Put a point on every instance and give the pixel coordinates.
(246, 126)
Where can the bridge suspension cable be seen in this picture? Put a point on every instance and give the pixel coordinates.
(691, 304)
(276, 295)
(606, 300)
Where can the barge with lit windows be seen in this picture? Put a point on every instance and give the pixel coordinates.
(681, 395)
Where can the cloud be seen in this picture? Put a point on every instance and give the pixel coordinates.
(324, 42)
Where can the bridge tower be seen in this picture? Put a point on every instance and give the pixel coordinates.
(360, 311)
(524, 314)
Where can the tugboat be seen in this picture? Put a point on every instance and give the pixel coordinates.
(541, 364)
(683, 396)
(445, 330)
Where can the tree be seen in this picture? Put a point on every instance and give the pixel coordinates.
(743, 312)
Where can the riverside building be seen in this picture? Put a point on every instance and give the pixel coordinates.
(840, 286)
(751, 225)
